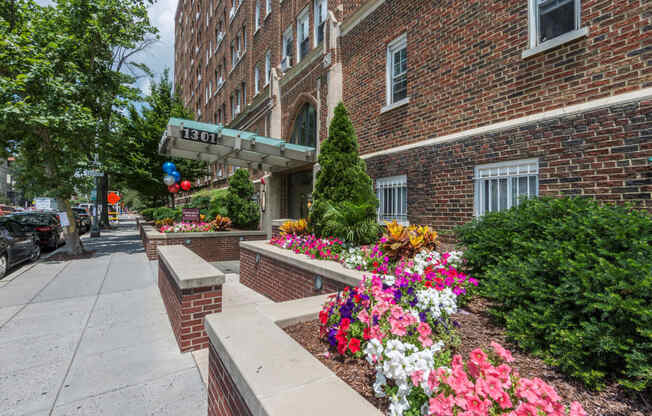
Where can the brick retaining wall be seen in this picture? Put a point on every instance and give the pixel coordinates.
(186, 309)
(218, 248)
(224, 399)
(280, 281)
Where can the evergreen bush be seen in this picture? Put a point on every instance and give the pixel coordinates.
(240, 208)
(572, 282)
(342, 177)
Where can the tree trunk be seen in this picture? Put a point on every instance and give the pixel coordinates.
(104, 220)
(173, 201)
(74, 245)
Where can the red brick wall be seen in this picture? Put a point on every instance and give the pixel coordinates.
(601, 154)
(279, 281)
(465, 67)
(224, 399)
(186, 309)
(211, 249)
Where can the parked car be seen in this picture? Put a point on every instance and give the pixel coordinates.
(46, 225)
(85, 220)
(6, 209)
(18, 243)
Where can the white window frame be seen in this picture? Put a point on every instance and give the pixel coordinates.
(503, 170)
(257, 16)
(303, 16)
(268, 7)
(395, 45)
(397, 185)
(256, 80)
(536, 47)
(319, 6)
(268, 66)
(287, 35)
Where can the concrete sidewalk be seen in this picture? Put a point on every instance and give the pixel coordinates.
(91, 337)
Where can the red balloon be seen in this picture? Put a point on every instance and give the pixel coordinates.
(174, 188)
(186, 185)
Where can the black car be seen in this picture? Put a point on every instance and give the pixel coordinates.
(18, 243)
(46, 226)
(84, 222)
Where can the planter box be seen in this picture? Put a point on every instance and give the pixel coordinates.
(255, 368)
(217, 246)
(282, 275)
(191, 289)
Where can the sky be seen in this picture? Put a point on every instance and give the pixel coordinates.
(160, 55)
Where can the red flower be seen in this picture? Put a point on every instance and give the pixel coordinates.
(356, 298)
(341, 347)
(366, 334)
(375, 265)
(323, 317)
(427, 283)
(354, 345)
(344, 324)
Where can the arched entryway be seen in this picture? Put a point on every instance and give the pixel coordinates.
(304, 131)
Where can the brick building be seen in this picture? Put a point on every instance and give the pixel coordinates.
(460, 107)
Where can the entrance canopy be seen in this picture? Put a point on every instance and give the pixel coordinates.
(214, 143)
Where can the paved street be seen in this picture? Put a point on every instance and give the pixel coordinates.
(91, 337)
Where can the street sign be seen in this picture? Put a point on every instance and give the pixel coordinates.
(63, 218)
(93, 173)
(113, 198)
(94, 195)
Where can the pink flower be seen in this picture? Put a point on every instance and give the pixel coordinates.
(504, 354)
(424, 329)
(477, 405)
(493, 388)
(363, 316)
(416, 377)
(504, 401)
(441, 405)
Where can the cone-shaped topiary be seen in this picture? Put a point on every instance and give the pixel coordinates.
(242, 211)
(342, 176)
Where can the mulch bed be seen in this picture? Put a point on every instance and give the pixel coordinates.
(477, 330)
(63, 256)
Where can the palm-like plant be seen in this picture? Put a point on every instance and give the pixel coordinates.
(351, 223)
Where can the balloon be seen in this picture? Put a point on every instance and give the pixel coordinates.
(174, 188)
(176, 175)
(168, 180)
(168, 167)
(186, 185)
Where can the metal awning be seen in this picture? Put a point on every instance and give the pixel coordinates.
(190, 139)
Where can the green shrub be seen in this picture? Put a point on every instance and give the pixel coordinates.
(217, 205)
(242, 211)
(147, 213)
(572, 282)
(162, 213)
(351, 223)
(342, 176)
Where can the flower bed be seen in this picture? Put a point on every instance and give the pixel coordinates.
(475, 330)
(187, 227)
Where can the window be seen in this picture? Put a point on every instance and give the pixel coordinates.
(392, 198)
(321, 11)
(287, 49)
(257, 16)
(500, 186)
(268, 7)
(244, 38)
(303, 35)
(256, 80)
(397, 70)
(244, 95)
(268, 67)
(305, 127)
(553, 18)
(233, 56)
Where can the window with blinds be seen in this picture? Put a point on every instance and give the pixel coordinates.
(500, 186)
(392, 198)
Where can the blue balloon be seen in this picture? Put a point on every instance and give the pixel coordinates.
(168, 167)
(176, 175)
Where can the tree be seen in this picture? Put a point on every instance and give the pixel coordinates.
(242, 210)
(139, 165)
(56, 78)
(342, 177)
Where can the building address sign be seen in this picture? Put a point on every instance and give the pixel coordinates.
(199, 136)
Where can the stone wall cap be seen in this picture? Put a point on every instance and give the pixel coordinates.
(325, 268)
(154, 234)
(279, 222)
(273, 373)
(188, 269)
